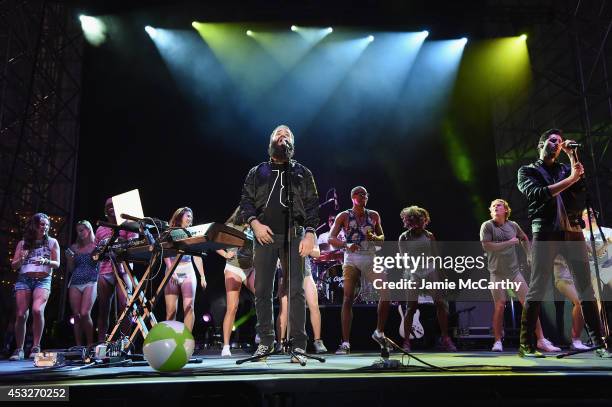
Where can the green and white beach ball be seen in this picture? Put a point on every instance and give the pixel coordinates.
(168, 346)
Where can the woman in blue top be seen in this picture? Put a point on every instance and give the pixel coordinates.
(183, 279)
(83, 286)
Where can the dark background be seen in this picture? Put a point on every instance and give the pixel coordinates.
(138, 130)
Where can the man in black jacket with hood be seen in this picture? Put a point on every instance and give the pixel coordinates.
(264, 206)
(555, 199)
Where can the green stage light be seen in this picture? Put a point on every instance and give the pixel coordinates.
(249, 33)
(241, 321)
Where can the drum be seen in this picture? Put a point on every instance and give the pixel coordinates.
(332, 255)
(331, 285)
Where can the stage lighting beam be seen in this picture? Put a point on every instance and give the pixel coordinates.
(151, 31)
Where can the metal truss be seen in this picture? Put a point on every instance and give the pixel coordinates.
(571, 89)
(41, 47)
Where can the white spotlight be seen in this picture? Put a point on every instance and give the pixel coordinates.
(151, 31)
(330, 30)
(294, 28)
(370, 38)
(464, 40)
(249, 33)
(94, 29)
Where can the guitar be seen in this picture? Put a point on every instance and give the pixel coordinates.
(417, 328)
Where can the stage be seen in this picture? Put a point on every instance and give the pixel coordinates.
(463, 378)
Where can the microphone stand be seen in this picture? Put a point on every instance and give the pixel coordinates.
(600, 303)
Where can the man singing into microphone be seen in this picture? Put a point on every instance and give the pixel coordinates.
(555, 199)
(264, 206)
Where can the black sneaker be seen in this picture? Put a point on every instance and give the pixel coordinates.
(262, 350)
(526, 351)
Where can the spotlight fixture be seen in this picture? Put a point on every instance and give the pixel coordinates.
(464, 40)
(424, 33)
(329, 30)
(370, 38)
(151, 31)
(523, 37)
(294, 28)
(249, 33)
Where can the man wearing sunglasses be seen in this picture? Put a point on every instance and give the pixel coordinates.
(362, 229)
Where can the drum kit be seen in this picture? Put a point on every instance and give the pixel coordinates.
(327, 273)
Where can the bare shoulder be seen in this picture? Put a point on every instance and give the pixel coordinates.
(374, 214)
(342, 216)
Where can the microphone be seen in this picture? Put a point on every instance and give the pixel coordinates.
(574, 145)
(147, 222)
(336, 206)
(287, 144)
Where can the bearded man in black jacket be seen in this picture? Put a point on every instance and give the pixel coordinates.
(264, 206)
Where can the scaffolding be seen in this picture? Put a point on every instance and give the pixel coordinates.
(571, 57)
(41, 48)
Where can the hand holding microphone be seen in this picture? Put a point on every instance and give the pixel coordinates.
(570, 146)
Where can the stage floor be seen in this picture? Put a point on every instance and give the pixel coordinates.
(462, 377)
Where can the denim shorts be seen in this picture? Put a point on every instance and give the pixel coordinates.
(25, 282)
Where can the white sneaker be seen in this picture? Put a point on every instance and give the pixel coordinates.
(578, 345)
(225, 352)
(319, 346)
(497, 347)
(545, 345)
